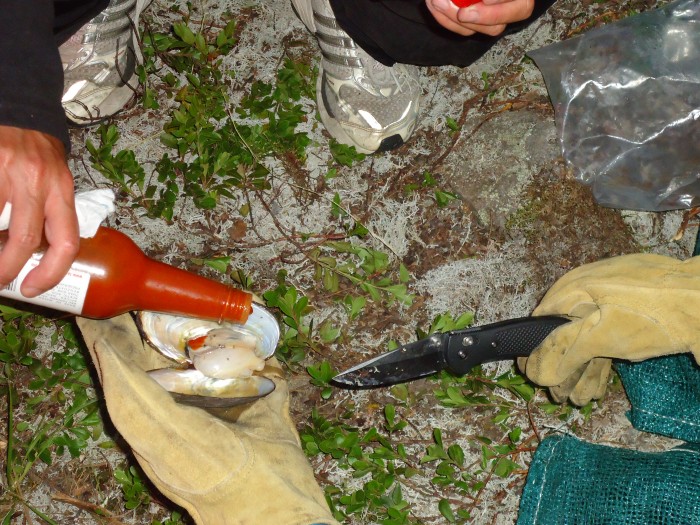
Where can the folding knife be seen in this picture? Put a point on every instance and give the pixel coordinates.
(457, 352)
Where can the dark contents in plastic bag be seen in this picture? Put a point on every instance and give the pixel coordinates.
(627, 103)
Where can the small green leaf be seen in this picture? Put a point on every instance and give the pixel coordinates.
(337, 210)
(456, 454)
(404, 276)
(220, 264)
(328, 332)
(443, 198)
(504, 467)
(446, 511)
(452, 124)
(184, 32)
(514, 435)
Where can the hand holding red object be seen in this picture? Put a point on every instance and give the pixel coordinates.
(35, 179)
(488, 17)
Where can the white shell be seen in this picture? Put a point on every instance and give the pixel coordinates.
(169, 334)
(194, 388)
(222, 360)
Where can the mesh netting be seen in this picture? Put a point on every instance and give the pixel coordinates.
(574, 482)
(665, 396)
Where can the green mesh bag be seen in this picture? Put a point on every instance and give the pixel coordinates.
(574, 482)
(665, 396)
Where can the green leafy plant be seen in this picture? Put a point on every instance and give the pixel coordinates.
(279, 106)
(121, 167)
(452, 124)
(392, 423)
(366, 268)
(441, 197)
(343, 154)
(449, 472)
(175, 518)
(55, 414)
(373, 458)
(354, 305)
(446, 323)
(485, 78)
(296, 337)
(210, 152)
(135, 491)
(320, 377)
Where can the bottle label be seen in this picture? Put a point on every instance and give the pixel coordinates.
(67, 296)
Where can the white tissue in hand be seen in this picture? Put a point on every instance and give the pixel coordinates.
(92, 207)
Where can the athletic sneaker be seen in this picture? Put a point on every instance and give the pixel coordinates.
(99, 64)
(362, 102)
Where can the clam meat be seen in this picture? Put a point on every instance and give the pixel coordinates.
(225, 354)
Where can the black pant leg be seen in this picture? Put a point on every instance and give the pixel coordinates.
(404, 31)
(70, 15)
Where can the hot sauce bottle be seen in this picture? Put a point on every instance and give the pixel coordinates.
(111, 276)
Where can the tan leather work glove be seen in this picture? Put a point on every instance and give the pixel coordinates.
(630, 307)
(244, 467)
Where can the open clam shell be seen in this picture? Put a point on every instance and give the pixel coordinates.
(215, 362)
(191, 387)
(169, 334)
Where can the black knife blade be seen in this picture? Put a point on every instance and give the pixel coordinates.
(457, 351)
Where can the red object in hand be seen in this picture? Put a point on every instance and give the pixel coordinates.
(465, 3)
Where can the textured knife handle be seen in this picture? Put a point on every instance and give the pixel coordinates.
(499, 341)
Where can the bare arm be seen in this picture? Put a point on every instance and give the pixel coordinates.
(35, 179)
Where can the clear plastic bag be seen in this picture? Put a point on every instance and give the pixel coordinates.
(627, 105)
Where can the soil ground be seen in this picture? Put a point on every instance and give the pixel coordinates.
(520, 221)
